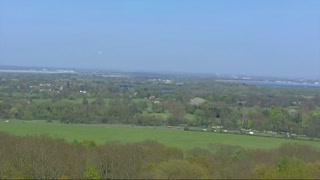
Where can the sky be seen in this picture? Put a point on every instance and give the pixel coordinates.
(243, 37)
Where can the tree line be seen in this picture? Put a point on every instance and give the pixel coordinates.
(46, 158)
(96, 99)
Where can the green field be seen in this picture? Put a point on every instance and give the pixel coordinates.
(126, 134)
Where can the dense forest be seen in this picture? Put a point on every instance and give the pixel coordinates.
(155, 100)
(46, 158)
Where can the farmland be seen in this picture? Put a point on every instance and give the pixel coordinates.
(159, 89)
(92, 126)
(172, 137)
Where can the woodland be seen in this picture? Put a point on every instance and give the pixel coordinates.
(154, 100)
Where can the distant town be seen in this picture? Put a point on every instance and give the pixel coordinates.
(269, 81)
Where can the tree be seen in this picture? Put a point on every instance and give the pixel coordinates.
(14, 112)
(313, 129)
(202, 118)
(91, 173)
(177, 113)
(178, 169)
(277, 119)
(234, 120)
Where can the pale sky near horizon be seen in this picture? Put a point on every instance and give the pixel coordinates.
(250, 37)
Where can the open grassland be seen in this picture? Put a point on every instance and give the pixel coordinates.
(126, 134)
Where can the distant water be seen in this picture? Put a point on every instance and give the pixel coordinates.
(276, 84)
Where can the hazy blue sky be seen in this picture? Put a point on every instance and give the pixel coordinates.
(258, 37)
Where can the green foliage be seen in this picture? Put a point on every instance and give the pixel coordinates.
(91, 173)
(238, 155)
(293, 168)
(148, 120)
(45, 158)
(287, 168)
(178, 169)
(88, 143)
(263, 171)
(58, 97)
(283, 164)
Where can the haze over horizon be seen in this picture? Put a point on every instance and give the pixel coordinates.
(262, 38)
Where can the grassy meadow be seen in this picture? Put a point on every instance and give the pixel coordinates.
(173, 137)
